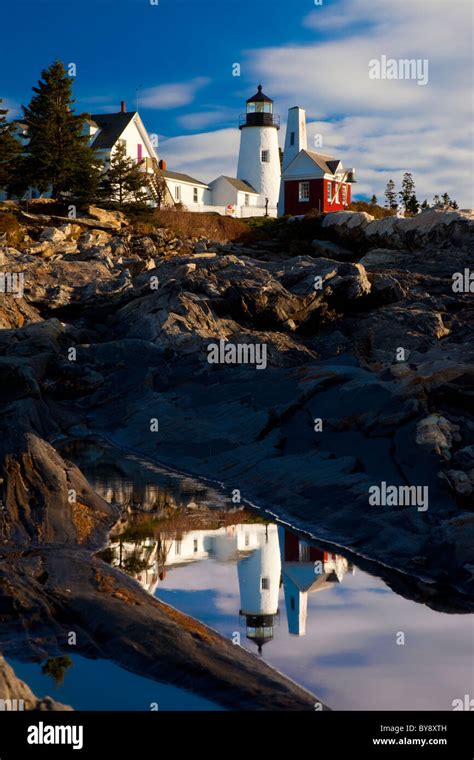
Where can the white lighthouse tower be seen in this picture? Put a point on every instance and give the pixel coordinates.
(259, 157)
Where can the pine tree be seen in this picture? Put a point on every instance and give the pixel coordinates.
(407, 193)
(123, 182)
(373, 200)
(9, 149)
(412, 206)
(454, 205)
(391, 195)
(425, 204)
(437, 202)
(57, 155)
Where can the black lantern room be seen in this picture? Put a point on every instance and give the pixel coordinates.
(259, 112)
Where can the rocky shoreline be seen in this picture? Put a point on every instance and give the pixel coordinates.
(368, 380)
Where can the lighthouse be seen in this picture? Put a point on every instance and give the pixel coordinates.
(259, 157)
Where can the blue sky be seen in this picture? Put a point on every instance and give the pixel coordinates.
(180, 54)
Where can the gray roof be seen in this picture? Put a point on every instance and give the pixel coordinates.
(111, 126)
(240, 184)
(327, 163)
(183, 178)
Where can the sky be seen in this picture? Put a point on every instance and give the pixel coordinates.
(176, 58)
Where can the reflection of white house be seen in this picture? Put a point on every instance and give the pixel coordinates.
(259, 585)
(264, 554)
(144, 552)
(305, 569)
(222, 544)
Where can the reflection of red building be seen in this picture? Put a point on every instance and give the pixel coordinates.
(295, 550)
(306, 569)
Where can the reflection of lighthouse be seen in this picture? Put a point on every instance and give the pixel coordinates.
(259, 583)
(306, 569)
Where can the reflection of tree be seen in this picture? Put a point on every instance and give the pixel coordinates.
(133, 565)
(56, 668)
(106, 555)
(162, 550)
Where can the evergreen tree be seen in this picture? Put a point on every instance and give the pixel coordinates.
(373, 200)
(425, 204)
(412, 205)
(407, 193)
(57, 155)
(447, 202)
(123, 182)
(391, 195)
(437, 202)
(9, 149)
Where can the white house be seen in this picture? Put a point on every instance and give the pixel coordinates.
(192, 193)
(108, 131)
(236, 196)
(253, 192)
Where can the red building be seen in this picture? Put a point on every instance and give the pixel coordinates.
(310, 180)
(316, 181)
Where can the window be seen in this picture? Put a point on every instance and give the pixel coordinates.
(247, 539)
(265, 584)
(177, 548)
(195, 194)
(292, 138)
(195, 545)
(247, 199)
(344, 195)
(292, 603)
(304, 552)
(329, 192)
(177, 193)
(265, 156)
(303, 191)
(337, 188)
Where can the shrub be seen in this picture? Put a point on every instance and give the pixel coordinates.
(371, 208)
(11, 227)
(188, 224)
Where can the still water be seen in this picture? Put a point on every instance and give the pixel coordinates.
(309, 612)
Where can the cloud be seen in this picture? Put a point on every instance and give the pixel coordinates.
(381, 125)
(202, 119)
(205, 155)
(171, 95)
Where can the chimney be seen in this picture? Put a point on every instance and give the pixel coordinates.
(122, 106)
(162, 165)
(295, 139)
